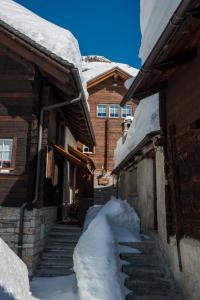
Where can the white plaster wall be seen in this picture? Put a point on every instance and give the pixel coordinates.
(145, 193)
(154, 16)
(190, 277)
(69, 139)
(160, 188)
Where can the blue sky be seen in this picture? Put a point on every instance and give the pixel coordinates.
(106, 27)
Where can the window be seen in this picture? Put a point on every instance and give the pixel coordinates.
(87, 149)
(114, 111)
(6, 149)
(101, 110)
(126, 111)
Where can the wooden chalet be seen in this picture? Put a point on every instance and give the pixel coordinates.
(43, 114)
(106, 89)
(172, 70)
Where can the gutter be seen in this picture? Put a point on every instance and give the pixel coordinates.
(79, 86)
(40, 136)
(161, 46)
(133, 152)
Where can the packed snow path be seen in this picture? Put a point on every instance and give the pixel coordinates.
(148, 275)
(58, 252)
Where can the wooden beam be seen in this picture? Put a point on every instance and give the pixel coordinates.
(33, 55)
(19, 95)
(177, 60)
(107, 75)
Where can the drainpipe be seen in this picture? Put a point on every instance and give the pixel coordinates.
(22, 209)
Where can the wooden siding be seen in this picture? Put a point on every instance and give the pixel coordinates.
(106, 92)
(183, 115)
(16, 105)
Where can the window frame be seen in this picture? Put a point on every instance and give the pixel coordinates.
(101, 117)
(13, 155)
(87, 152)
(125, 108)
(119, 113)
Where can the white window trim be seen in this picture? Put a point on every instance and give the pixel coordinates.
(1, 160)
(118, 111)
(87, 152)
(102, 117)
(131, 111)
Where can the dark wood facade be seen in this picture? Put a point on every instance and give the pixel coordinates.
(173, 72)
(107, 130)
(29, 81)
(183, 147)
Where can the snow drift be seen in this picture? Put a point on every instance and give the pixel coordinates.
(96, 257)
(14, 282)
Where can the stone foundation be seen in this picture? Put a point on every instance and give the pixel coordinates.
(37, 224)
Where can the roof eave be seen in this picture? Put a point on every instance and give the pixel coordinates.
(165, 38)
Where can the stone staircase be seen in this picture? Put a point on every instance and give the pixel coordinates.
(57, 256)
(148, 275)
(102, 194)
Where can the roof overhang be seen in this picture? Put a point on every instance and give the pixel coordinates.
(128, 161)
(177, 45)
(59, 73)
(100, 78)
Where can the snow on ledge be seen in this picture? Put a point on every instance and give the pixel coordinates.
(13, 274)
(53, 38)
(145, 121)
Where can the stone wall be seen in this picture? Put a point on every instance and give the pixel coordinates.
(37, 224)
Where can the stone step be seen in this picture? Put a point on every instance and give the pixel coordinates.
(143, 273)
(65, 233)
(144, 247)
(49, 263)
(132, 296)
(158, 287)
(56, 255)
(66, 227)
(64, 236)
(58, 251)
(52, 242)
(140, 259)
(53, 272)
(62, 240)
(62, 248)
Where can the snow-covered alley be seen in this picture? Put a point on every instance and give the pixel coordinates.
(112, 260)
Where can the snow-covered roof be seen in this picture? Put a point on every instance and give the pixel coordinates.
(145, 121)
(94, 66)
(58, 42)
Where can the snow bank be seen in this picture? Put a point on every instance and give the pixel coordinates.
(51, 288)
(53, 38)
(93, 66)
(154, 16)
(96, 256)
(145, 121)
(13, 274)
